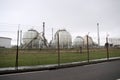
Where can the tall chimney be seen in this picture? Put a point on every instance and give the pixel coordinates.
(44, 29)
(98, 34)
(52, 33)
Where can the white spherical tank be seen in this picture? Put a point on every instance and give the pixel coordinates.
(78, 42)
(33, 39)
(52, 44)
(5, 42)
(30, 35)
(90, 41)
(65, 39)
(30, 39)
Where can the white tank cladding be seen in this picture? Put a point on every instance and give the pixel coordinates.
(90, 41)
(33, 39)
(29, 35)
(52, 44)
(78, 42)
(5, 42)
(65, 39)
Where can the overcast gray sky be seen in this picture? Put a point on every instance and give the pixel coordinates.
(77, 16)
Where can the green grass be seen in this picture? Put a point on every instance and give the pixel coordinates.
(37, 57)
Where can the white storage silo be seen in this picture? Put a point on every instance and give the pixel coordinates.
(65, 39)
(78, 42)
(5, 42)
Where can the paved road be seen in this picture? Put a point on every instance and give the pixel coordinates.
(100, 71)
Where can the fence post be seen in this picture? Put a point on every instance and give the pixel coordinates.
(58, 49)
(88, 49)
(107, 46)
(80, 50)
(16, 63)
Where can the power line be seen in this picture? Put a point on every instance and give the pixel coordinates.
(17, 24)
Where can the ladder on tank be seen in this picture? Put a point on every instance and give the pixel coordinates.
(26, 45)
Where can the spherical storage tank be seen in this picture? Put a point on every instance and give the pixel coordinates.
(32, 39)
(78, 42)
(65, 39)
(29, 35)
(90, 41)
(5, 42)
(52, 44)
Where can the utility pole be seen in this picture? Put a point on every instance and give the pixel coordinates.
(98, 34)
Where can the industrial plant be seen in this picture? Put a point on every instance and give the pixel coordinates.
(33, 39)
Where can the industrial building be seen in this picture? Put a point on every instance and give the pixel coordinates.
(5, 42)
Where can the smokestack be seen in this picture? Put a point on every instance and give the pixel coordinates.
(98, 34)
(43, 28)
(21, 38)
(45, 41)
(52, 33)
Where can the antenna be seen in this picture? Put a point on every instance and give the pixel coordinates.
(98, 34)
